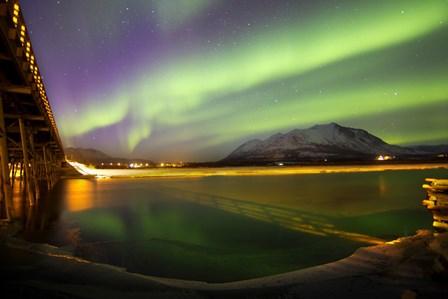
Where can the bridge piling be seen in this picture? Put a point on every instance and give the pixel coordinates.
(26, 163)
(5, 178)
(47, 168)
(52, 169)
(33, 167)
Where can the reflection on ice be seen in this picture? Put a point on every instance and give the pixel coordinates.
(288, 218)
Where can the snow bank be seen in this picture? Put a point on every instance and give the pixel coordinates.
(407, 267)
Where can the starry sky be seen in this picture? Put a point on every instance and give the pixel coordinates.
(190, 80)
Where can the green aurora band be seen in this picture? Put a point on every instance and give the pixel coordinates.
(347, 67)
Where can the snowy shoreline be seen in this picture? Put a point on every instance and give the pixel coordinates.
(253, 170)
(415, 265)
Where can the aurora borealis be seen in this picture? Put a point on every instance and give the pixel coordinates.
(190, 80)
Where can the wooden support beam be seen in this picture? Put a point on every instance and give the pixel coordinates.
(33, 166)
(26, 163)
(52, 168)
(35, 129)
(12, 33)
(19, 52)
(47, 174)
(6, 181)
(3, 9)
(24, 116)
(15, 88)
(53, 174)
(5, 57)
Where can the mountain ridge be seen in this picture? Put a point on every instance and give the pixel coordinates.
(319, 143)
(322, 142)
(94, 156)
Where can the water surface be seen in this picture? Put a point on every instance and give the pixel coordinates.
(225, 228)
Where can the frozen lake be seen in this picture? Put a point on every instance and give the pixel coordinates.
(225, 228)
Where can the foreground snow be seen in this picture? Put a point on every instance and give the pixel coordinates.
(410, 267)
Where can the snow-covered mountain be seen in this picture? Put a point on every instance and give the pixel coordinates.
(318, 142)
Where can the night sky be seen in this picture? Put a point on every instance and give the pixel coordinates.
(190, 80)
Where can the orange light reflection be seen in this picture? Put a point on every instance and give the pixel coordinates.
(79, 194)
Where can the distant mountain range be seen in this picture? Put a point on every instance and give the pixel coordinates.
(328, 142)
(321, 142)
(93, 156)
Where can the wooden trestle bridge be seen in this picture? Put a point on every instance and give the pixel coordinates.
(30, 145)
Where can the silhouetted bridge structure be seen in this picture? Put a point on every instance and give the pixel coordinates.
(29, 140)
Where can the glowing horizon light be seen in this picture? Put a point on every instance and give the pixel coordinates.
(385, 158)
